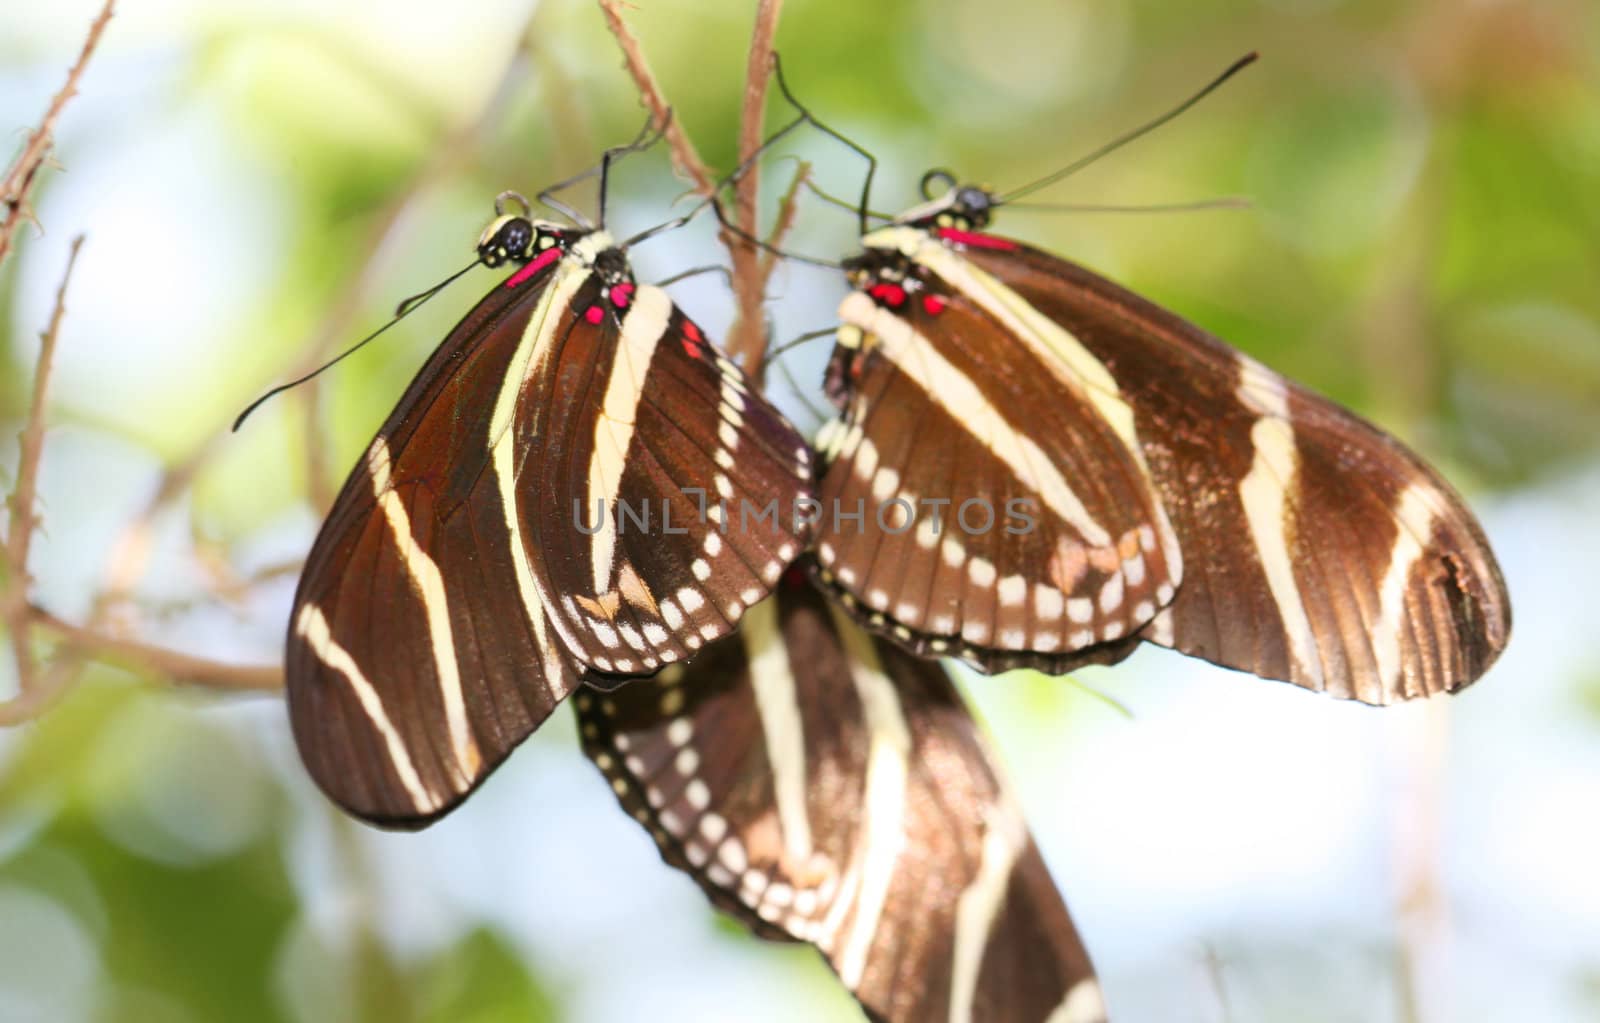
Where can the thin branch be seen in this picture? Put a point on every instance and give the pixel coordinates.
(685, 157)
(747, 338)
(20, 179)
(173, 665)
(19, 534)
(788, 210)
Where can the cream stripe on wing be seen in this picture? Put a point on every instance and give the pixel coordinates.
(952, 390)
(531, 351)
(527, 586)
(1264, 492)
(778, 706)
(1414, 517)
(311, 626)
(642, 328)
(980, 904)
(883, 832)
(435, 605)
(1084, 1004)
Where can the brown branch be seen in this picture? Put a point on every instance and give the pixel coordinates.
(685, 157)
(182, 668)
(747, 338)
(19, 534)
(24, 173)
(178, 667)
(788, 210)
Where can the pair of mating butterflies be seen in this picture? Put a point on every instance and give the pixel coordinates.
(822, 783)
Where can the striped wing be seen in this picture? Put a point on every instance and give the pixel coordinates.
(1038, 530)
(659, 486)
(418, 652)
(827, 787)
(1316, 548)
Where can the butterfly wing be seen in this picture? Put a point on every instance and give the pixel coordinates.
(1317, 549)
(1006, 513)
(419, 653)
(823, 786)
(660, 487)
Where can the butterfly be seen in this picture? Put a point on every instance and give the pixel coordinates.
(1034, 467)
(548, 505)
(826, 786)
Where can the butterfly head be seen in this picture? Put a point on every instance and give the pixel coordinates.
(951, 205)
(514, 238)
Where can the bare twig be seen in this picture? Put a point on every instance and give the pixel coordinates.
(747, 338)
(685, 157)
(175, 666)
(19, 534)
(788, 210)
(23, 174)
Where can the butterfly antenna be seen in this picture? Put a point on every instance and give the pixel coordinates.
(764, 245)
(1127, 137)
(795, 388)
(795, 342)
(844, 204)
(642, 141)
(1227, 202)
(805, 116)
(710, 199)
(547, 197)
(406, 308)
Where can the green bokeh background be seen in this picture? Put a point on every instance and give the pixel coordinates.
(1424, 246)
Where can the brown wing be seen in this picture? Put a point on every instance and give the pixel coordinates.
(660, 487)
(1316, 548)
(823, 786)
(1037, 531)
(418, 653)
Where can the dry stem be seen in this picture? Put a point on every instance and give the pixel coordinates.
(24, 173)
(19, 535)
(747, 339)
(748, 335)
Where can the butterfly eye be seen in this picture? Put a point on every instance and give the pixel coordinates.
(975, 204)
(508, 239)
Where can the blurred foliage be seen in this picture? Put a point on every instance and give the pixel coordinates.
(1425, 246)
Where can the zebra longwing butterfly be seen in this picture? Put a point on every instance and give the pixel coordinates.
(825, 786)
(464, 583)
(1127, 478)
(1178, 492)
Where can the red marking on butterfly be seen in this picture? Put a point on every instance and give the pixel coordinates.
(538, 263)
(690, 331)
(691, 348)
(934, 304)
(621, 295)
(893, 294)
(972, 239)
(594, 314)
